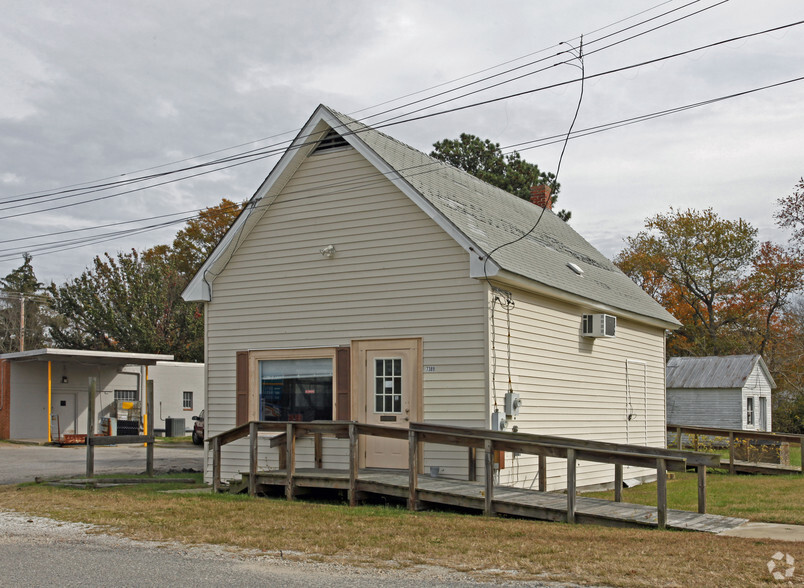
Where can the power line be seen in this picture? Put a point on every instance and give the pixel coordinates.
(544, 141)
(551, 66)
(597, 75)
(73, 191)
(510, 61)
(350, 184)
(257, 154)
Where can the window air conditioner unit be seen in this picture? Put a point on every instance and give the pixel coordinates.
(599, 325)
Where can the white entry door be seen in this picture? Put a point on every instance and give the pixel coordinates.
(63, 415)
(763, 414)
(389, 390)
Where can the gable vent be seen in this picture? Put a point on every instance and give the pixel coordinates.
(331, 140)
(598, 325)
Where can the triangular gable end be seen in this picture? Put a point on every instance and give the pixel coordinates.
(323, 128)
(764, 367)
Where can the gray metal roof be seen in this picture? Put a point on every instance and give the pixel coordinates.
(490, 217)
(537, 245)
(727, 371)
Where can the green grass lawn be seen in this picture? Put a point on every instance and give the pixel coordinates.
(390, 537)
(767, 498)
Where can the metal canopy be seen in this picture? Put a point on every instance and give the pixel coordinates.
(87, 357)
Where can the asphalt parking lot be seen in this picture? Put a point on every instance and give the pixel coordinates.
(24, 463)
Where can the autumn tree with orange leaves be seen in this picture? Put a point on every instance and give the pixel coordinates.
(692, 262)
(132, 301)
(731, 294)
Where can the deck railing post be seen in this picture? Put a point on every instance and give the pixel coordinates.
(678, 438)
(542, 472)
(290, 449)
(319, 451)
(618, 482)
(488, 509)
(252, 458)
(472, 476)
(216, 464)
(695, 442)
(149, 413)
(702, 489)
(354, 456)
(283, 456)
(731, 452)
(571, 485)
(413, 471)
(661, 492)
(92, 390)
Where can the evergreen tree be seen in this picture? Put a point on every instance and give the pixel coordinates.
(486, 161)
(21, 298)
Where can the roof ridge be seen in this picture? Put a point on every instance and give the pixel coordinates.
(443, 164)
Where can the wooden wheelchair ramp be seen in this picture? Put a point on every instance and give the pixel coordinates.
(471, 492)
(532, 504)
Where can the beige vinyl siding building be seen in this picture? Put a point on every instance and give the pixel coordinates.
(395, 274)
(580, 387)
(356, 284)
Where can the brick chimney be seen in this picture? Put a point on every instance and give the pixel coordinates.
(540, 196)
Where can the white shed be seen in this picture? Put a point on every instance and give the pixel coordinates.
(727, 392)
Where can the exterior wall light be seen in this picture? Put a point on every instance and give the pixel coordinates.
(328, 251)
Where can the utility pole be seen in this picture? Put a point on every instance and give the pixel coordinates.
(22, 322)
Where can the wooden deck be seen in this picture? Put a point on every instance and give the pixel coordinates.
(738, 436)
(548, 506)
(752, 467)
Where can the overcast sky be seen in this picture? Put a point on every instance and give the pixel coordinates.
(94, 90)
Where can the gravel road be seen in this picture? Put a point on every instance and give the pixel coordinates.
(42, 552)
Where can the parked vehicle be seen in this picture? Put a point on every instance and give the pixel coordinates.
(198, 429)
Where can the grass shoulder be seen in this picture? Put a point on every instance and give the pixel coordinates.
(390, 536)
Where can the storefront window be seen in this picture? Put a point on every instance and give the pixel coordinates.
(295, 389)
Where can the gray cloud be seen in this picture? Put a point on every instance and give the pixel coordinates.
(96, 90)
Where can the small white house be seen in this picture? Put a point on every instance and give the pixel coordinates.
(44, 393)
(727, 392)
(367, 281)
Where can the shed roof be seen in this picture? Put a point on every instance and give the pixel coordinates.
(726, 371)
(536, 244)
(90, 357)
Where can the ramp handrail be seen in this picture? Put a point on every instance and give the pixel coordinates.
(732, 435)
(572, 450)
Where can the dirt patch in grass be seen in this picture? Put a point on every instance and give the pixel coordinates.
(389, 536)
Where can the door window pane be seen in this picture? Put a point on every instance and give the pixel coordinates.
(296, 389)
(388, 385)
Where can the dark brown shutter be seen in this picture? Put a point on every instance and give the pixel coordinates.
(343, 387)
(5, 399)
(241, 388)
